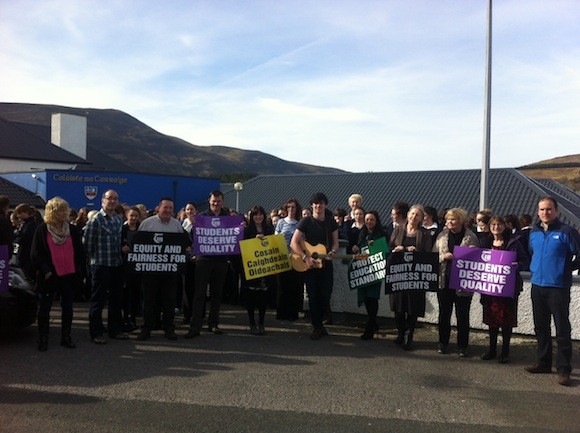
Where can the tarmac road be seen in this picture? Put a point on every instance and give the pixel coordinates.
(280, 382)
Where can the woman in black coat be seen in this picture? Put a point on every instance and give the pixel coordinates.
(58, 261)
(409, 305)
(499, 312)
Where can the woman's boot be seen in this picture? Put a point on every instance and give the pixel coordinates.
(43, 333)
(492, 352)
(401, 327)
(66, 339)
(412, 321)
(506, 335)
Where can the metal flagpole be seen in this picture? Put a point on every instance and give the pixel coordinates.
(484, 186)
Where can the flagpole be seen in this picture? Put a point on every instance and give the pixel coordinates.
(484, 186)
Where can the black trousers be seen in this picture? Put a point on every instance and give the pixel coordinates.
(447, 299)
(548, 302)
(212, 272)
(290, 295)
(155, 287)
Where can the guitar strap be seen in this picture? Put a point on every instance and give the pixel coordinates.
(327, 226)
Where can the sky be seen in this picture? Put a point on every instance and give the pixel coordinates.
(386, 85)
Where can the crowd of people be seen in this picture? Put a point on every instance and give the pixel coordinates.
(83, 255)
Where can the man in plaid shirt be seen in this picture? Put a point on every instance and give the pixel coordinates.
(102, 239)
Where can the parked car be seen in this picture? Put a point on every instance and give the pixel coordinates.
(18, 305)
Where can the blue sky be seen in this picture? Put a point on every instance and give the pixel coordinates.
(392, 85)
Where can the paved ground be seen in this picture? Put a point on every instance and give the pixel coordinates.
(280, 382)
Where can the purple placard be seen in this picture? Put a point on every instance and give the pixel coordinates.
(218, 236)
(4, 268)
(489, 272)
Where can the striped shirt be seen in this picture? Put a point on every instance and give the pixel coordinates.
(103, 240)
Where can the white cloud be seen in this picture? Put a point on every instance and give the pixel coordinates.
(398, 83)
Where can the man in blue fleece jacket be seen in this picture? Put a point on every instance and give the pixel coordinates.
(553, 246)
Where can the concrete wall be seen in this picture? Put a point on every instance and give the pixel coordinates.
(70, 133)
(344, 300)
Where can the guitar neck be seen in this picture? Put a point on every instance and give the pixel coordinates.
(339, 256)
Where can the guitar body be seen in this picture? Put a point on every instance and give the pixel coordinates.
(318, 253)
(300, 265)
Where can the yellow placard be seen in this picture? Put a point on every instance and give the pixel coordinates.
(262, 257)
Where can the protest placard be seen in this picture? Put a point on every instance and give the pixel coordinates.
(490, 272)
(158, 252)
(262, 257)
(371, 270)
(412, 271)
(218, 235)
(4, 268)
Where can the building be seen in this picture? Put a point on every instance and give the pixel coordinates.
(511, 192)
(56, 161)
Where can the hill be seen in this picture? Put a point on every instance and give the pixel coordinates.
(564, 169)
(115, 138)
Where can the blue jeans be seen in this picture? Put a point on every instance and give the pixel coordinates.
(548, 302)
(107, 287)
(319, 284)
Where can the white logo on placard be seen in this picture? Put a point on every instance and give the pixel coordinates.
(216, 222)
(158, 238)
(408, 257)
(486, 256)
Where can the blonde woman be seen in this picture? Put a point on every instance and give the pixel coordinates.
(454, 234)
(58, 261)
(408, 306)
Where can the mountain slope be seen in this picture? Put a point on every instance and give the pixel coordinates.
(125, 139)
(564, 169)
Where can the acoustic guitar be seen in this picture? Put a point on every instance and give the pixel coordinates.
(319, 254)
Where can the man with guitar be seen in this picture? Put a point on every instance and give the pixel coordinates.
(321, 231)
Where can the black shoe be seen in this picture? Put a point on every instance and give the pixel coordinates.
(564, 379)
(67, 342)
(489, 355)
(43, 343)
(317, 334)
(171, 335)
(367, 335)
(370, 331)
(463, 353)
(192, 333)
(400, 339)
(409, 343)
(504, 358)
(442, 349)
(144, 335)
(539, 369)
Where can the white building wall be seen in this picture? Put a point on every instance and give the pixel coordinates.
(344, 300)
(70, 133)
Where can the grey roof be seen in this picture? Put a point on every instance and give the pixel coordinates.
(562, 190)
(510, 192)
(17, 142)
(568, 200)
(18, 195)
(95, 161)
